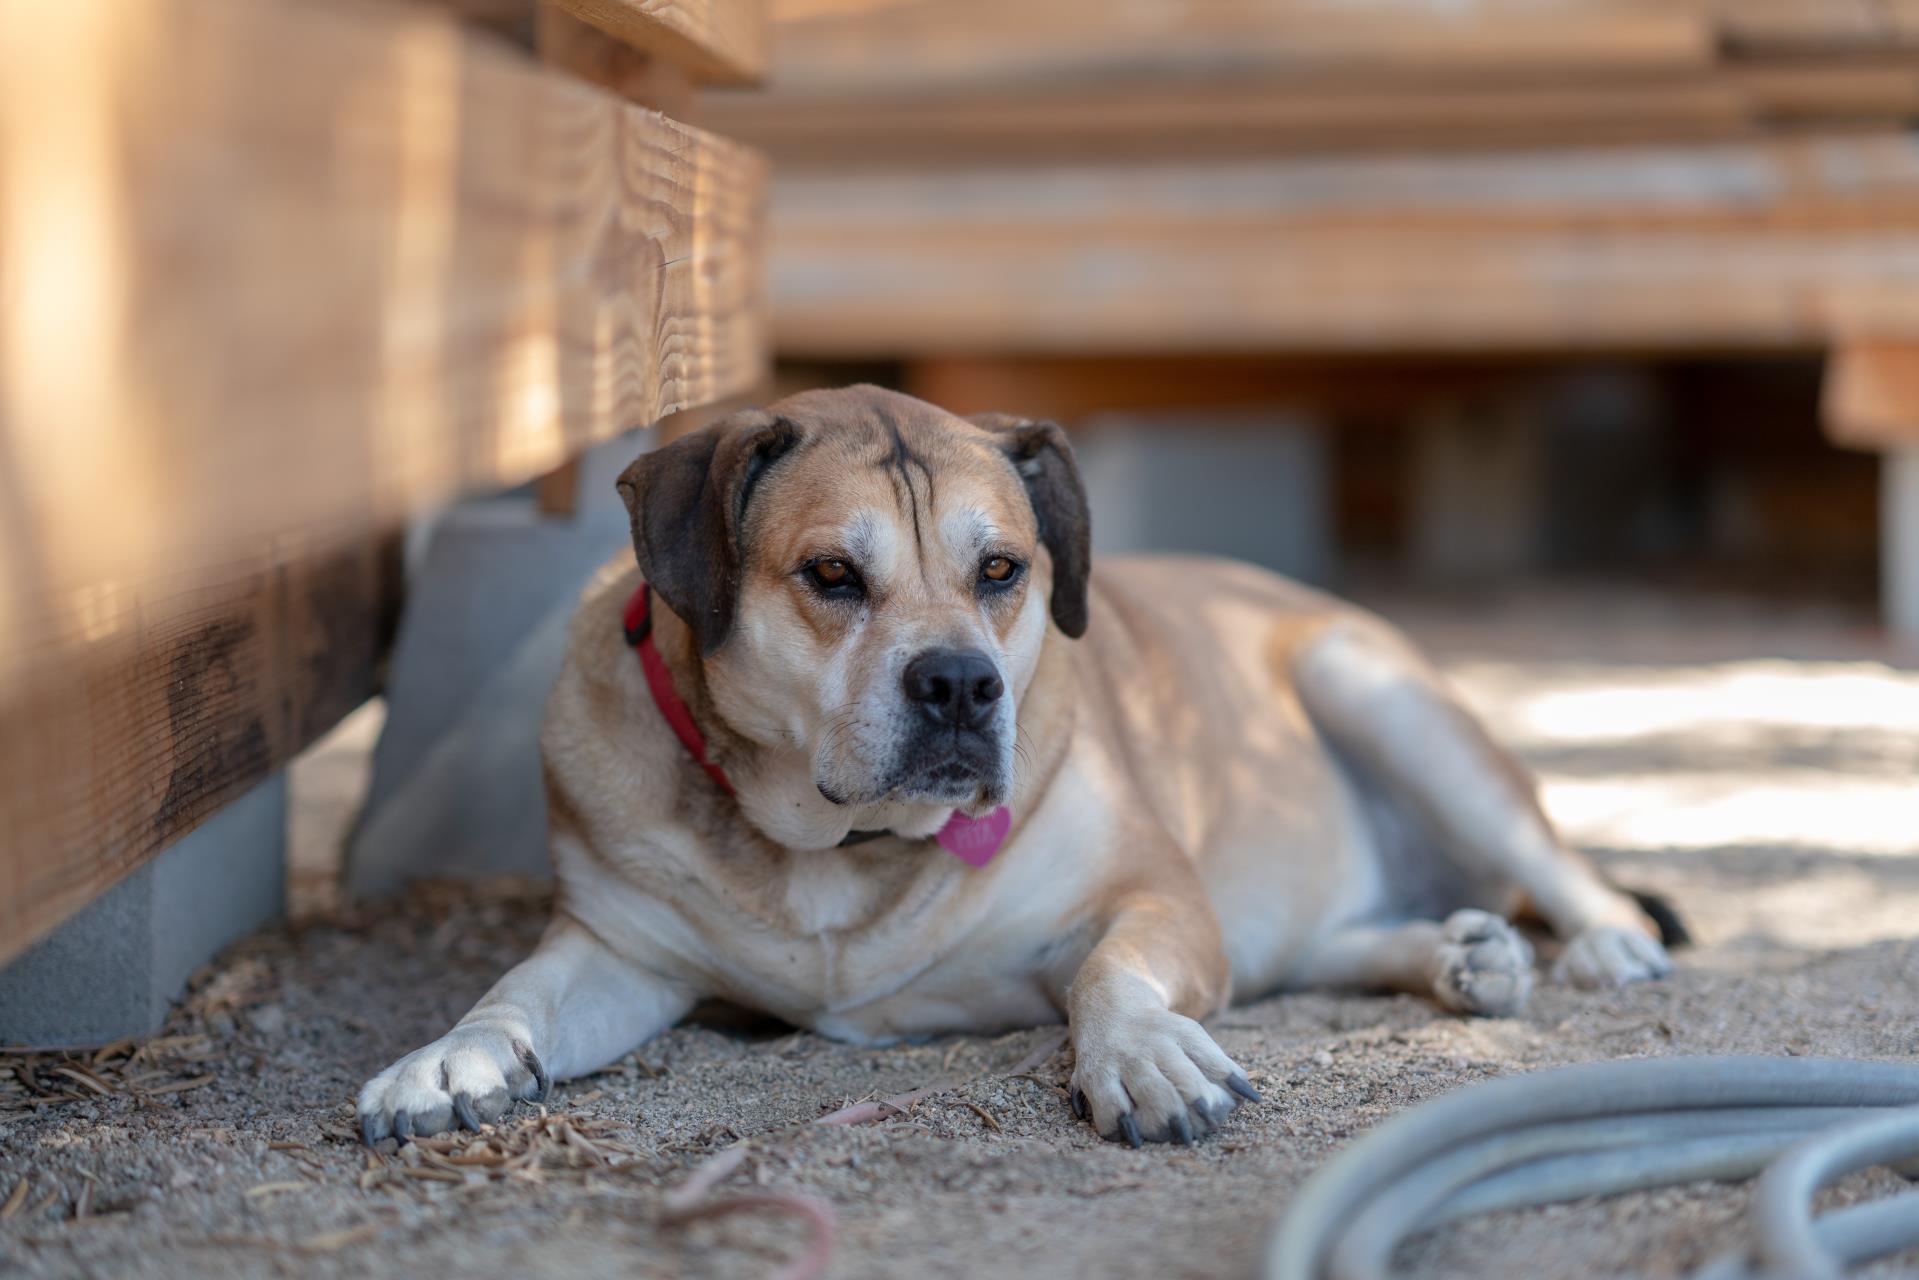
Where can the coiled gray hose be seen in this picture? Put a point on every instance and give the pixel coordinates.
(1610, 1127)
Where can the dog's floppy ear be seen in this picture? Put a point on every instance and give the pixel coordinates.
(1039, 452)
(688, 505)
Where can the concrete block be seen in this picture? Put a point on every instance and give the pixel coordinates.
(112, 970)
(1477, 487)
(1255, 487)
(1899, 540)
(456, 777)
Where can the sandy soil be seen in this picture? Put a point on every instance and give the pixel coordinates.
(248, 1166)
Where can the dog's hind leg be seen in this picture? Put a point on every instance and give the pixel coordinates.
(1387, 714)
(1472, 962)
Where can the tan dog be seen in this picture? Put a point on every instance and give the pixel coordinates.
(1220, 784)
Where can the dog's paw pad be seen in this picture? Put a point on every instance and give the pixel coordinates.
(1483, 965)
(1155, 1077)
(1611, 956)
(468, 1076)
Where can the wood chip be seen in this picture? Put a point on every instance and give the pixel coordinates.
(86, 1078)
(288, 1146)
(431, 1175)
(985, 1115)
(275, 1188)
(181, 1086)
(18, 1198)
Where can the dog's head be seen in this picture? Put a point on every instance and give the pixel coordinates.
(869, 580)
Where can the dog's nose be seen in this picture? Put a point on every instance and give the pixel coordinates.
(956, 686)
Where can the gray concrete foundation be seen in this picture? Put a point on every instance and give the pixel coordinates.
(1252, 486)
(112, 970)
(456, 777)
(1899, 540)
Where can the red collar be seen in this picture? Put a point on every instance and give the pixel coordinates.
(639, 634)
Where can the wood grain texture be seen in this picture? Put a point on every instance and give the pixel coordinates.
(279, 276)
(716, 41)
(645, 79)
(1001, 82)
(1148, 118)
(1782, 244)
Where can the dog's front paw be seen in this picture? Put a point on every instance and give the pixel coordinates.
(469, 1074)
(1611, 956)
(1483, 966)
(1154, 1076)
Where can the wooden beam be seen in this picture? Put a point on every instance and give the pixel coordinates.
(1748, 246)
(1151, 117)
(1871, 395)
(278, 277)
(146, 722)
(644, 79)
(716, 41)
(1071, 389)
(989, 45)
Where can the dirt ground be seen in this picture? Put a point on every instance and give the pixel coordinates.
(1763, 798)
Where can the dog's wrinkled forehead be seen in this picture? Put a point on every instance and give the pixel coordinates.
(894, 477)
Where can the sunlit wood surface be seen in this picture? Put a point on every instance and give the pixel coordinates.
(953, 81)
(1780, 244)
(994, 177)
(716, 41)
(275, 277)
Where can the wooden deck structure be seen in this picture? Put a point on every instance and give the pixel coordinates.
(281, 274)
(1066, 202)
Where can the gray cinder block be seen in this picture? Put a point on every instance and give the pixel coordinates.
(456, 777)
(1251, 486)
(111, 970)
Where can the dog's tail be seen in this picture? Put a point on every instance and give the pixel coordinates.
(1672, 930)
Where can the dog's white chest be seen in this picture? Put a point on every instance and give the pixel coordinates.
(825, 891)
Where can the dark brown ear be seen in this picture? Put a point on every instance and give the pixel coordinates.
(1039, 452)
(688, 506)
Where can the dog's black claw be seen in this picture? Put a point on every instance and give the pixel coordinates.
(1079, 1103)
(1244, 1088)
(1183, 1130)
(402, 1126)
(369, 1129)
(463, 1108)
(542, 1083)
(1130, 1127)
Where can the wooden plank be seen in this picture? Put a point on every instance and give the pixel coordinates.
(1147, 119)
(985, 45)
(716, 41)
(1072, 389)
(1003, 81)
(566, 44)
(1871, 395)
(1745, 246)
(279, 276)
(158, 718)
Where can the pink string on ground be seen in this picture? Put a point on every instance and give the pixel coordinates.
(690, 1200)
(822, 1225)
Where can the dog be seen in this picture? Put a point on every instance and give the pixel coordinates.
(868, 744)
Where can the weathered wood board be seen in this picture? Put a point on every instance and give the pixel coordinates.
(1780, 244)
(716, 41)
(278, 276)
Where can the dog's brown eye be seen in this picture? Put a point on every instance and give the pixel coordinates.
(997, 569)
(834, 579)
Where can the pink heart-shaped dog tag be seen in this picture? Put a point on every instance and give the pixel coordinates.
(976, 840)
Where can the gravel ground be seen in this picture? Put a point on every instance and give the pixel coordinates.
(225, 1147)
